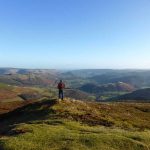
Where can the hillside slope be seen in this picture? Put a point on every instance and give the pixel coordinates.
(111, 87)
(76, 125)
(138, 95)
(15, 93)
(78, 95)
(12, 97)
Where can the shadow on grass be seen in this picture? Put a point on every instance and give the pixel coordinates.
(1, 146)
(31, 112)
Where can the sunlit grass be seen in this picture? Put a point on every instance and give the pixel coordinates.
(74, 136)
(77, 125)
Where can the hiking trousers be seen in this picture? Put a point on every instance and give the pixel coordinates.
(61, 94)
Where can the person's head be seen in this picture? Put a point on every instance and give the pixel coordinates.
(60, 81)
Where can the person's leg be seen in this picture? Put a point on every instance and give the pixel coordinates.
(59, 95)
(62, 95)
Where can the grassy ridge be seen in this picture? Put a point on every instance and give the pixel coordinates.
(62, 135)
(76, 125)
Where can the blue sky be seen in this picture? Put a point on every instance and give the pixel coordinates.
(74, 34)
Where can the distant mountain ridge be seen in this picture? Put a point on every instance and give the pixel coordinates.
(6, 71)
(87, 73)
(137, 78)
(76, 78)
(28, 77)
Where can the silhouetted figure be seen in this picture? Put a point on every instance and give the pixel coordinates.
(61, 87)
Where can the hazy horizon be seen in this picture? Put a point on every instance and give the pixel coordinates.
(134, 69)
(75, 34)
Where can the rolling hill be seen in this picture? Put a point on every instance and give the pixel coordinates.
(137, 78)
(28, 77)
(12, 97)
(74, 78)
(138, 95)
(13, 93)
(42, 80)
(111, 87)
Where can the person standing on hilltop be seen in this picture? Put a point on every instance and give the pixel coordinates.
(61, 87)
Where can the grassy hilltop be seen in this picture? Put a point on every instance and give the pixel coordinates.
(75, 125)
